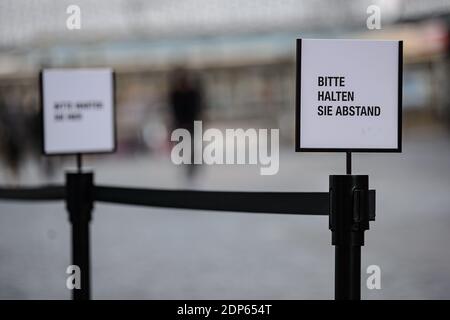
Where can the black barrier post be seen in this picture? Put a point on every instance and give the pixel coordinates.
(349, 218)
(348, 160)
(79, 202)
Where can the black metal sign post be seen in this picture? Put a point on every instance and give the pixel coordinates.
(349, 217)
(79, 202)
(348, 220)
(58, 131)
(322, 125)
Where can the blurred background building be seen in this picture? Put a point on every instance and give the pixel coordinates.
(243, 52)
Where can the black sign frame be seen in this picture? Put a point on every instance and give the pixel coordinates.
(299, 148)
(42, 125)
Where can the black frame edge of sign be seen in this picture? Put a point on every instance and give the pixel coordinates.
(42, 129)
(298, 77)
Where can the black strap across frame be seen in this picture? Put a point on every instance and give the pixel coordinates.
(299, 203)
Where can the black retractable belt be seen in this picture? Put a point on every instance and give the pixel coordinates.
(349, 204)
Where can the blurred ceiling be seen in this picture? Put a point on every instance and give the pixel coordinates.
(140, 33)
(43, 22)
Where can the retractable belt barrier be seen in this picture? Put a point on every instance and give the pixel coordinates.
(349, 205)
(299, 203)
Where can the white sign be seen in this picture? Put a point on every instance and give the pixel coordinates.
(78, 111)
(348, 95)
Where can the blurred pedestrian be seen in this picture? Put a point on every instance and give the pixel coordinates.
(12, 127)
(186, 103)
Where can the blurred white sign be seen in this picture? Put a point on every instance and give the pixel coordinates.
(78, 111)
(348, 95)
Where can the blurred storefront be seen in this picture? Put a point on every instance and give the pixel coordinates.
(246, 63)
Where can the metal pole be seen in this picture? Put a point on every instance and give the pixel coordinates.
(79, 203)
(79, 163)
(349, 218)
(347, 272)
(348, 160)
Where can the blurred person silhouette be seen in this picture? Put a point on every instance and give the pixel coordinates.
(33, 123)
(186, 103)
(12, 131)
